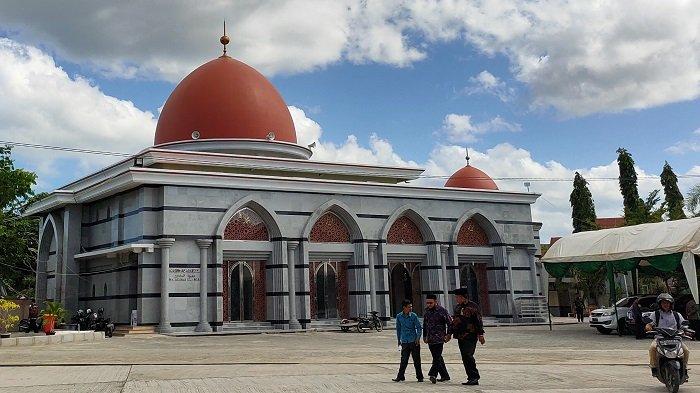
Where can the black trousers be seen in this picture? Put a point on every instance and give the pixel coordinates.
(579, 314)
(639, 328)
(412, 350)
(466, 349)
(438, 366)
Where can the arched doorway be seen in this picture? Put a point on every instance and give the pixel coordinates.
(241, 293)
(401, 287)
(326, 294)
(244, 283)
(468, 279)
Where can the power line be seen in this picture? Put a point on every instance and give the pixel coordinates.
(68, 149)
(502, 178)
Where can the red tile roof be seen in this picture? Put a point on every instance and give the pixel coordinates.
(610, 222)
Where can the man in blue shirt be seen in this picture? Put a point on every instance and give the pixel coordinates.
(408, 333)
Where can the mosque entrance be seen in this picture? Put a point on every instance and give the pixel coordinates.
(405, 283)
(241, 290)
(468, 279)
(326, 294)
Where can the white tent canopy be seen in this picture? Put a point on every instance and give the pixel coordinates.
(638, 241)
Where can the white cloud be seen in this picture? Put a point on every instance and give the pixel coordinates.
(379, 151)
(459, 128)
(687, 146)
(42, 104)
(487, 83)
(553, 208)
(578, 57)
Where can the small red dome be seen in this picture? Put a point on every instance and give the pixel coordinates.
(224, 98)
(471, 177)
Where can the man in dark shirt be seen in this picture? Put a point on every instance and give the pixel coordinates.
(578, 306)
(436, 332)
(468, 328)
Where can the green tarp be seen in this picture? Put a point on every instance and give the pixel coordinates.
(664, 263)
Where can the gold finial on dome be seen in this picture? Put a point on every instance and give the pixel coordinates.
(224, 39)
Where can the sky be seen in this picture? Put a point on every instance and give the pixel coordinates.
(534, 89)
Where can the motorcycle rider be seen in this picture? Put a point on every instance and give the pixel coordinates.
(665, 317)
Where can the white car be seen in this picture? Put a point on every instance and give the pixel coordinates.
(605, 319)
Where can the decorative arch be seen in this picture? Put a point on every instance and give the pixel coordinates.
(342, 211)
(322, 264)
(44, 241)
(471, 234)
(246, 224)
(267, 215)
(478, 217)
(416, 218)
(329, 228)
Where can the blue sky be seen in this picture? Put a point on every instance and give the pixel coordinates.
(534, 90)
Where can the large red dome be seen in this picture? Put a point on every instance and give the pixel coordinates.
(228, 99)
(471, 177)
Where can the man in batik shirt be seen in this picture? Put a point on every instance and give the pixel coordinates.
(468, 328)
(436, 332)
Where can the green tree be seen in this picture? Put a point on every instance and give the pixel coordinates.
(628, 186)
(18, 235)
(693, 201)
(637, 210)
(582, 207)
(673, 196)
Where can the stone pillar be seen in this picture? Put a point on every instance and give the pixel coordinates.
(533, 271)
(277, 286)
(513, 309)
(164, 244)
(500, 284)
(291, 261)
(382, 268)
(431, 273)
(203, 325)
(358, 281)
(372, 256)
(444, 249)
(304, 285)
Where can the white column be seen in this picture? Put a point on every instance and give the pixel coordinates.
(164, 244)
(372, 251)
(203, 325)
(293, 321)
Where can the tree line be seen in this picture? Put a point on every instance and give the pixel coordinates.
(636, 210)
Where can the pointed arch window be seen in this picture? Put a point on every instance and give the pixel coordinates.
(472, 234)
(246, 225)
(404, 231)
(329, 228)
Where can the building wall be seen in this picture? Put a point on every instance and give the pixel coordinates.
(186, 214)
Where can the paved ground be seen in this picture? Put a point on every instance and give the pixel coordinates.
(514, 359)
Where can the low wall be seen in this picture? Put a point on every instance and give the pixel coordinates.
(61, 337)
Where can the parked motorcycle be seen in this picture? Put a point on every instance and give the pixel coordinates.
(81, 320)
(32, 324)
(369, 323)
(669, 345)
(103, 324)
(362, 323)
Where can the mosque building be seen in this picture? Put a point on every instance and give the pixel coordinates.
(226, 223)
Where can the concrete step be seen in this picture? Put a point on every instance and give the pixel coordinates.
(246, 326)
(127, 330)
(324, 324)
